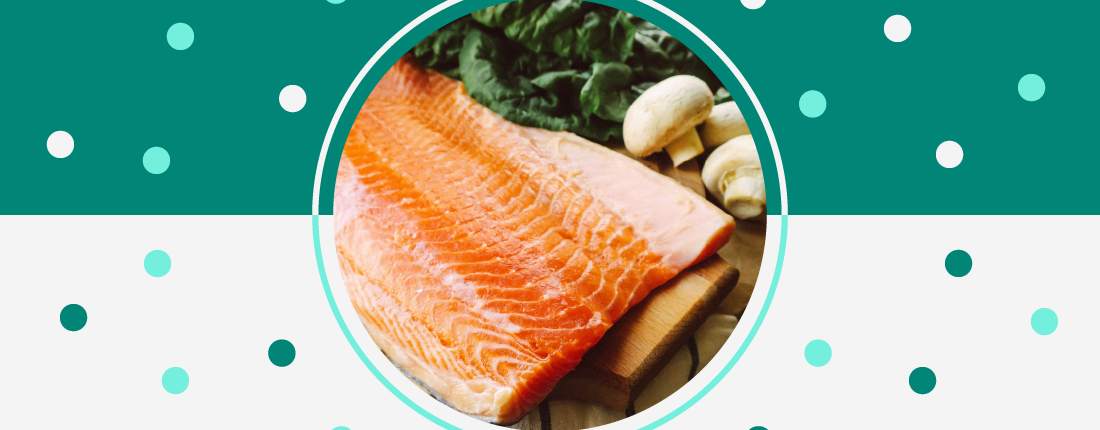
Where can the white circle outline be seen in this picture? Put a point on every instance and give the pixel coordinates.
(440, 7)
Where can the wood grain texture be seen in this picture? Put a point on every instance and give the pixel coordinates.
(744, 251)
(640, 344)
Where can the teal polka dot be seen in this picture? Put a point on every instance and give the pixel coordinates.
(818, 353)
(157, 263)
(281, 353)
(180, 36)
(812, 104)
(73, 317)
(156, 160)
(922, 380)
(759, 428)
(958, 263)
(1044, 321)
(175, 380)
(1032, 87)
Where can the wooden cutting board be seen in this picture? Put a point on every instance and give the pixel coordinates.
(642, 342)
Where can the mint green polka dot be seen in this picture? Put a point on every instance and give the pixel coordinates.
(922, 380)
(180, 36)
(73, 317)
(281, 353)
(958, 263)
(1044, 321)
(818, 353)
(157, 263)
(1032, 87)
(341, 427)
(175, 380)
(156, 160)
(812, 104)
(336, 2)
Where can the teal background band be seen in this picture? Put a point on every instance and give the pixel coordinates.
(463, 8)
(107, 74)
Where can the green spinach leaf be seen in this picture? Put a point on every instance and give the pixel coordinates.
(550, 101)
(559, 64)
(537, 29)
(607, 94)
(439, 51)
(604, 35)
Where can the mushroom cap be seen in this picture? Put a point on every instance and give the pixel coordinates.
(664, 112)
(724, 123)
(739, 152)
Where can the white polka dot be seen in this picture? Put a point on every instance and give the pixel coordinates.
(949, 154)
(60, 144)
(292, 98)
(752, 4)
(897, 28)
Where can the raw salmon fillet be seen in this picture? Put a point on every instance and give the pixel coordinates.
(485, 258)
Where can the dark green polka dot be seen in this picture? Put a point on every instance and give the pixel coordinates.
(73, 317)
(922, 380)
(958, 263)
(758, 428)
(281, 353)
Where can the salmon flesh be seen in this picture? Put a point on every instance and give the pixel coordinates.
(485, 258)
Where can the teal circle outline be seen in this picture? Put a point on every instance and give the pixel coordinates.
(408, 402)
(440, 422)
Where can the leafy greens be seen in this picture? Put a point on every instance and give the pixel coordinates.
(558, 64)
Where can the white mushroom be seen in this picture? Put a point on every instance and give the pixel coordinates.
(724, 123)
(732, 173)
(665, 116)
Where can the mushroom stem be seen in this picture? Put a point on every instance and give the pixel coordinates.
(744, 192)
(685, 147)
